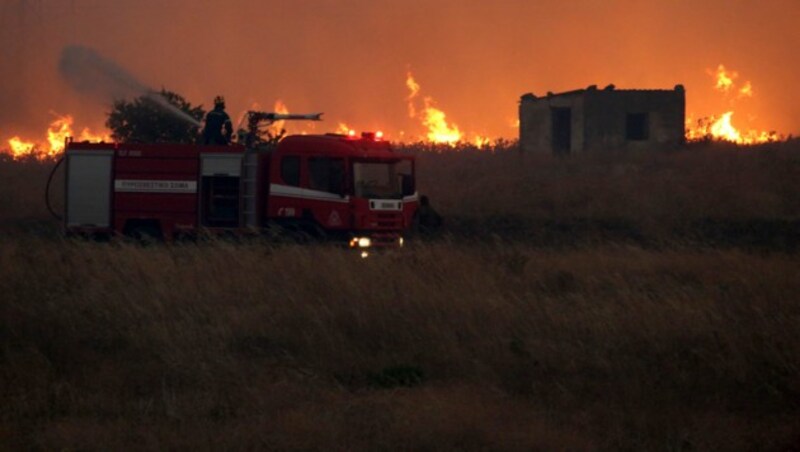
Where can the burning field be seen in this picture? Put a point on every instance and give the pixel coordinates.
(59, 131)
(720, 127)
(431, 125)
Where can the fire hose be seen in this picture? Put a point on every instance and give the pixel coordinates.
(47, 190)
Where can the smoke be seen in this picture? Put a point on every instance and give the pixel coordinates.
(94, 75)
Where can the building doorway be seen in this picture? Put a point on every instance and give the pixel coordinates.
(562, 130)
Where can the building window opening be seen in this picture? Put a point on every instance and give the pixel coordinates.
(637, 127)
(562, 130)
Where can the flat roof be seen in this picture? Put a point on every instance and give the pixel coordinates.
(607, 89)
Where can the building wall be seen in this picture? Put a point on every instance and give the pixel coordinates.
(607, 114)
(599, 119)
(536, 121)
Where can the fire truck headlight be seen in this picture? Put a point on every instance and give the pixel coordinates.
(360, 242)
(401, 242)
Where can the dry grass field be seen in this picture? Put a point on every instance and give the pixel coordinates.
(616, 302)
(708, 193)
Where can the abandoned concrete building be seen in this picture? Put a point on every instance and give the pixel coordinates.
(594, 119)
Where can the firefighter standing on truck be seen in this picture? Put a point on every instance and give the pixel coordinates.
(218, 128)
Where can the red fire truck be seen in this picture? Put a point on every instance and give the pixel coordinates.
(351, 188)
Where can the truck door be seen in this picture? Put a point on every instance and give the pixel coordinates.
(88, 202)
(219, 192)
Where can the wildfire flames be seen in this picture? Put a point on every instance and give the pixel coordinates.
(57, 134)
(344, 129)
(720, 127)
(439, 130)
(725, 79)
(414, 88)
(276, 127)
(434, 119)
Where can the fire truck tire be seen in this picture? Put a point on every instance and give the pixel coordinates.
(144, 231)
(313, 232)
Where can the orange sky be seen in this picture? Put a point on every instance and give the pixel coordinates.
(350, 58)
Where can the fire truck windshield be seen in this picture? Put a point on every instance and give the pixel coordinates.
(380, 179)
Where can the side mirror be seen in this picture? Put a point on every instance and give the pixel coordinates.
(408, 184)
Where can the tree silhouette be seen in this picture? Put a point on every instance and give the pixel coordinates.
(155, 118)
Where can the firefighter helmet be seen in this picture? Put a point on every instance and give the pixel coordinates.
(219, 101)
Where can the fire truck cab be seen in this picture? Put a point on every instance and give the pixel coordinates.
(350, 188)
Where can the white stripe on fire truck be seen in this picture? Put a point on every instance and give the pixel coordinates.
(155, 186)
(304, 193)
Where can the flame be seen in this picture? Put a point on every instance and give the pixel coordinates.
(280, 107)
(276, 127)
(725, 82)
(87, 135)
(746, 90)
(721, 127)
(20, 148)
(725, 79)
(434, 119)
(57, 133)
(439, 131)
(344, 129)
(413, 88)
(481, 141)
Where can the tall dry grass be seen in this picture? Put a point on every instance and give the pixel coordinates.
(708, 191)
(498, 343)
(22, 187)
(702, 180)
(483, 346)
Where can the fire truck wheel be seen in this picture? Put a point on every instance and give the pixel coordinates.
(144, 232)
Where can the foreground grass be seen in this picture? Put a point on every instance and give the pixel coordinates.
(500, 346)
(686, 340)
